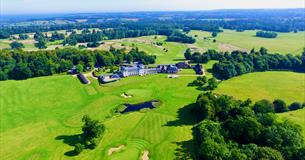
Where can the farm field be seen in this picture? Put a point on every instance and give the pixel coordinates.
(288, 86)
(231, 40)
(228, 40)
(41, 117)
(169, 52)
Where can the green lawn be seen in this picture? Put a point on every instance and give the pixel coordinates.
(41, 116)
(288, 86)
(230, 40)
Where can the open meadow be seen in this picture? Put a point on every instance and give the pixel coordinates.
(228, 40)
(271, 85)
(231, 40)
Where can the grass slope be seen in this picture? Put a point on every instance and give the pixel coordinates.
(288, 86)
(297, 117)
(41, 117)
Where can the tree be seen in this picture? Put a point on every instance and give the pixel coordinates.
(79, 68)
(41, 44)
(280, 106)
(92, 129)
(200, 81)
(212, 83)
(214, 34)
(16, 45)
(21, 71)
(212, 143)
(285, 137)
(78, 148)
(263, 106)
(266, 153)
(243, 130)
(205, 108)
(188, 54)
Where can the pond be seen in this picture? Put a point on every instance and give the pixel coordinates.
(136, 107)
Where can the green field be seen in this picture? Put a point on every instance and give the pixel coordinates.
(41, 116)
(231, 40)
(288, 86)
(174, 53)
(228, 40)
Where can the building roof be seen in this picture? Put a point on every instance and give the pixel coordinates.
(83, 78)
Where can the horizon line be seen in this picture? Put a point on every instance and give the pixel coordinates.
(141, 11)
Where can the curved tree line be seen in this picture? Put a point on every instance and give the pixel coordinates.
(237, 62)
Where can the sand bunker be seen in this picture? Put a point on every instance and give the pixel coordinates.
(145, 155)
(116, 149)
(126, 95)
(223, 47)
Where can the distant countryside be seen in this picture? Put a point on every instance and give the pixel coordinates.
(224, 84)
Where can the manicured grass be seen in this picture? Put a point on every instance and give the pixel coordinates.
(288, 86)
(285, 42)
(40, 117)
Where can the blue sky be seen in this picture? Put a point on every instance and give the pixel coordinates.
(72, 6)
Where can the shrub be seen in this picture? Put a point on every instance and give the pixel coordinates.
(263, 106)
(78, 148)
(295, 106)
(280, 106)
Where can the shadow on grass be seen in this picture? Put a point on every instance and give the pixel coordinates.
(187, 150)
(179, 59)
(186, 116)
(70, 140)
(199, 88)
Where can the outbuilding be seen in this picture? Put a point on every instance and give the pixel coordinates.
(83, 78)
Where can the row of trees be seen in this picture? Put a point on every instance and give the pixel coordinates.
(18, 64)
(95, 36)
(236, 130)
(266, 34)
(277, 106)
(180, 37)
(238, 63)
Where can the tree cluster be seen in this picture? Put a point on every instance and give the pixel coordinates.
(238, 63)
(18, 64)
(16, 45)
(180, 37)
(204, 83)
(233, 129)
(266, 34)
(197, 57)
